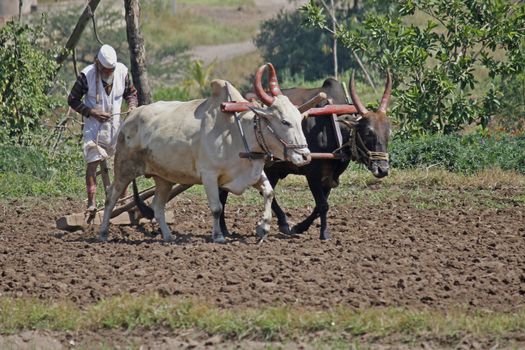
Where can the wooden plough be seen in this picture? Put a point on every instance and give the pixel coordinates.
(124, 213)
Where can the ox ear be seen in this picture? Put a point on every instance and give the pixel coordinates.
(261, 112)
(352, 119)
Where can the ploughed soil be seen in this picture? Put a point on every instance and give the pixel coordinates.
(392, 254)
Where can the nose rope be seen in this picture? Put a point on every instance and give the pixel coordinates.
(360, 151)
(259, 136)
(368, 155)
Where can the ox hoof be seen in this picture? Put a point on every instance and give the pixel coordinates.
(296, 230)
(324, 236)
(261, 232)
(285, 229)
(219, 239)
(169, 239)
(103, 238)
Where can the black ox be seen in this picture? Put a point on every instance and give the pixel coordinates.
(364, 139)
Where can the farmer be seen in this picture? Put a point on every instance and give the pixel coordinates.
(102, 84)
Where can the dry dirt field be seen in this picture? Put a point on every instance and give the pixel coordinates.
(392, 254)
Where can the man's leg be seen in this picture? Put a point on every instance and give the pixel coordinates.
(91, 184)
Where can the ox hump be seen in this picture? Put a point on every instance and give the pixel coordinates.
(219, 90)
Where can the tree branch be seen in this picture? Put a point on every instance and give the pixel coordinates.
(358, 60)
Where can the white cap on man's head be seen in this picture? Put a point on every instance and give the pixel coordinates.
(107, 56)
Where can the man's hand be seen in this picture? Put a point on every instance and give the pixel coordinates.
(99, 115)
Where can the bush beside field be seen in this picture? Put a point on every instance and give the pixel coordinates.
(456, 153)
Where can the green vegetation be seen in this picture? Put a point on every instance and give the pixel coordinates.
(460, 153)
(433, 64)
(302, 51)
(26, 71)
(239, 70)
(268, 323)
(36, 171)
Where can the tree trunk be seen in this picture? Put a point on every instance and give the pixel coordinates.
(334, 28)
(77, 32)
(137, 51)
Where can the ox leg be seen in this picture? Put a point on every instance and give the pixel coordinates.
(113, 194)
(162, 191)
(306, 223)
(211, 187)
(321, 203)
(320, 210)
(279, 213)
(266, 189)
(223, 197)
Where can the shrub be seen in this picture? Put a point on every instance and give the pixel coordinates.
(33, 170)
(26, 74)
(434, 63)
(175, 93)
(301, 51)
(465, 154)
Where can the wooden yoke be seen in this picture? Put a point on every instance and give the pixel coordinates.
(233, 107)
(329, 110)
(307, 111)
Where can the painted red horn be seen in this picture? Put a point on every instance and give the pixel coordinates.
(388, 92)
(273, 82)
(355, 99)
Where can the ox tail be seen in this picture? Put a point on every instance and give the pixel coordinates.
(145, 210)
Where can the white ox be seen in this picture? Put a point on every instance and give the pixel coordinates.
(195, 143)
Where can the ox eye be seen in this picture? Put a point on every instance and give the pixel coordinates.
(286, 122)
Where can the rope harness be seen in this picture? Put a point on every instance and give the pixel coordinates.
(259, 136)
(359, 151)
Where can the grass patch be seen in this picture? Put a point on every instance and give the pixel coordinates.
(34, 171)
(426, 188)
(239, 70)
(267, 323)
(187, 28)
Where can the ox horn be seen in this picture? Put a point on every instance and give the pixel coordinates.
(355, 99)
(314, 101)
(386, 95)
(272, 81)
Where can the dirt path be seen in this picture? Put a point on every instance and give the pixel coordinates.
(209, 53)
(264, 9)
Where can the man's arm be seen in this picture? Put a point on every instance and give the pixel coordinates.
(74, 100)
(130, 94)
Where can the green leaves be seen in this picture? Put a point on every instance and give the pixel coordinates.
(435, 63)
(313, 15)
(26, 72)
(465, 154)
